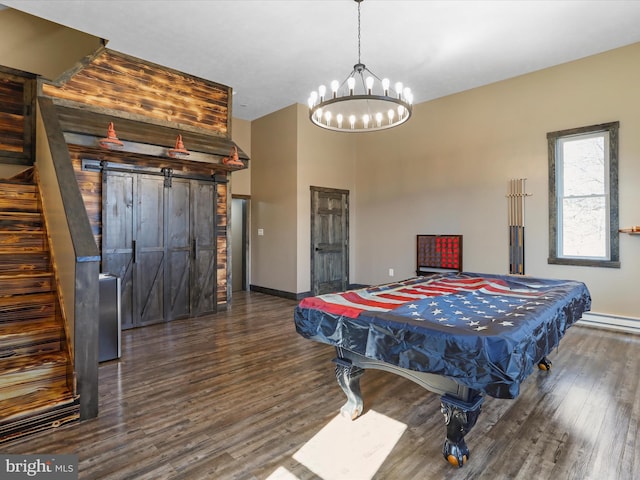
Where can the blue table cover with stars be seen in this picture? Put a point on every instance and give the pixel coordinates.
(485, 331)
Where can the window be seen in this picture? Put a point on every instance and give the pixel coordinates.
(583, 196)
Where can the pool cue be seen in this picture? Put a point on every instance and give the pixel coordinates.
(510, 214)
(515, 216)
(520, 227)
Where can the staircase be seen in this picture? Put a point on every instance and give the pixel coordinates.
(37, 388)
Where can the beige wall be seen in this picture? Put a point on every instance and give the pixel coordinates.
(39, 46)
(446, 171)
(273, 201)
(290, 156)
(325, 159)
(241, 135)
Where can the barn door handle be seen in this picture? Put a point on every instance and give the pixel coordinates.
(135, 252)
(194, 247)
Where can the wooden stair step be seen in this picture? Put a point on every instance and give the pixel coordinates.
(25, 262)
(34, 373)
(13, 187)
(23, 241)
(18, 197)
(38, 410)
(30, 337)
(23, 283)
(20, 221)
(27, 307)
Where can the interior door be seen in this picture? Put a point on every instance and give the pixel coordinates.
(179, 249)
(329, 240)
(149, 250)
(117, 237)
(203, 212)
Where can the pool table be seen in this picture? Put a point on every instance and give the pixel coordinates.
(462, 335)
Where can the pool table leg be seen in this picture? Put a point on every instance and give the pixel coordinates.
(544, 364)
(348, 376)
(459, 417)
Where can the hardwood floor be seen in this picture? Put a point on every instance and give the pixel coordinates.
(237, 394)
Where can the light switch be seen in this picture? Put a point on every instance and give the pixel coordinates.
(260, 232)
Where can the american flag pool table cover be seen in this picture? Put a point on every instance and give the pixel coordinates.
(484, 331)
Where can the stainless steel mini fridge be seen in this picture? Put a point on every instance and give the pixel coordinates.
(109, 326)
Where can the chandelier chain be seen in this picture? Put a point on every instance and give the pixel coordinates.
(359, 61)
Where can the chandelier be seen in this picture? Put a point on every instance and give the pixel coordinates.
(362, 102)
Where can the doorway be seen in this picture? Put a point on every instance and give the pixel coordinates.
(329, 240)
(239, 243)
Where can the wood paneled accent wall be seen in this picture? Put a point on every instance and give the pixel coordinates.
(118, 86)
(16, 117)
(143, 90)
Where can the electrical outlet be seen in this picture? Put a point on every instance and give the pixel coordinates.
(391, 272)
(260, 232)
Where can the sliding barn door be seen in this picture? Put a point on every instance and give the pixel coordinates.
(178, 249)
(149, 253)
(160, 239)
(191, 246)
(203, 208)
(117, 236)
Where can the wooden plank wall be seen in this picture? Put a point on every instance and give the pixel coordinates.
(223, 271)
(127, 87)
(114, 81)
(16, 119)
(11, 115)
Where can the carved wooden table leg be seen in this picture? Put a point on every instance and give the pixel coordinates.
(348, 376)
(459, 417)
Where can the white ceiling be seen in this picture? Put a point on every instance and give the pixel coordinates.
(274, 52)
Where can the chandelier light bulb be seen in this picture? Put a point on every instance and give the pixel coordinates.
(339, 120)
(327, 116)
(408, 96)
(365, 120)
(390, 114)
(385, 86)
(334, 88)
(321, 91)
(352, 121)
(351, 83)
(399, 89)
(369, 83)
(379, 118)
(401, 111)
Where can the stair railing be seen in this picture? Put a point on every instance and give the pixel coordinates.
(74, 252)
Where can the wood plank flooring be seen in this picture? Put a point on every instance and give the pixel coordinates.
(237, 394)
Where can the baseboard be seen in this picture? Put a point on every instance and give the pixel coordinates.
(279, 293)
(291, 295)
(611, 322)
